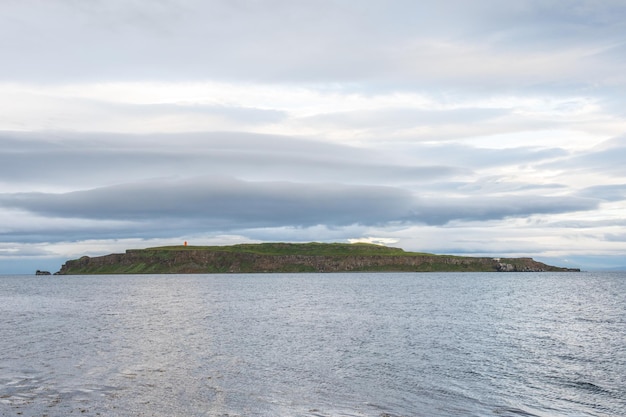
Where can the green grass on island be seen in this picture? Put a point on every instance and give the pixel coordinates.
(312, 249)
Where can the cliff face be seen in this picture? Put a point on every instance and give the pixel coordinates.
(154, 261)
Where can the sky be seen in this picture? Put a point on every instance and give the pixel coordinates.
(483, 128)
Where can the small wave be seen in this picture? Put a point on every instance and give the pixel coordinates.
(512, 411)
(588, 386)
(582, 385)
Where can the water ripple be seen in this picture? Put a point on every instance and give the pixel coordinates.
(311, 345)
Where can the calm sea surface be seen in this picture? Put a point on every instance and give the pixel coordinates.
(391, 345)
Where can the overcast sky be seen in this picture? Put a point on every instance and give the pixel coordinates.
(484, 128)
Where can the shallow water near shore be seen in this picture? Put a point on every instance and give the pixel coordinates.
(390, 344)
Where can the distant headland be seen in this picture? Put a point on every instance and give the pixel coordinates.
(291, 257)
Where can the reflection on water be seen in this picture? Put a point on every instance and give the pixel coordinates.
(314, 345)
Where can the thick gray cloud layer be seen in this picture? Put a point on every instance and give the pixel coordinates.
(225, 204)
(110, 159)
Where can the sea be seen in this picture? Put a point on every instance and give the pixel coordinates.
(314, 345)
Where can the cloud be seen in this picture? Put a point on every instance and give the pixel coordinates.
(224, 202)
(379, 43)
(228, 205)
(613, 192)
(443, 211)
(24, 226)
(47, 108)
(403, 118)
(10, 251)
(604, 159)
(617, 237)
(375, 240)
(109, 159)
(473, 157)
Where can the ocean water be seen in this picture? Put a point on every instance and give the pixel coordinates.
(384, 345)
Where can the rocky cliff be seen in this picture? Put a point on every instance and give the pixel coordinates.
(288, 258)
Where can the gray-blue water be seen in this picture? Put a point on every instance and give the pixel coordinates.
(499, 344)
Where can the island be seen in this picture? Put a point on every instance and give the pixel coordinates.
(290, 257)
